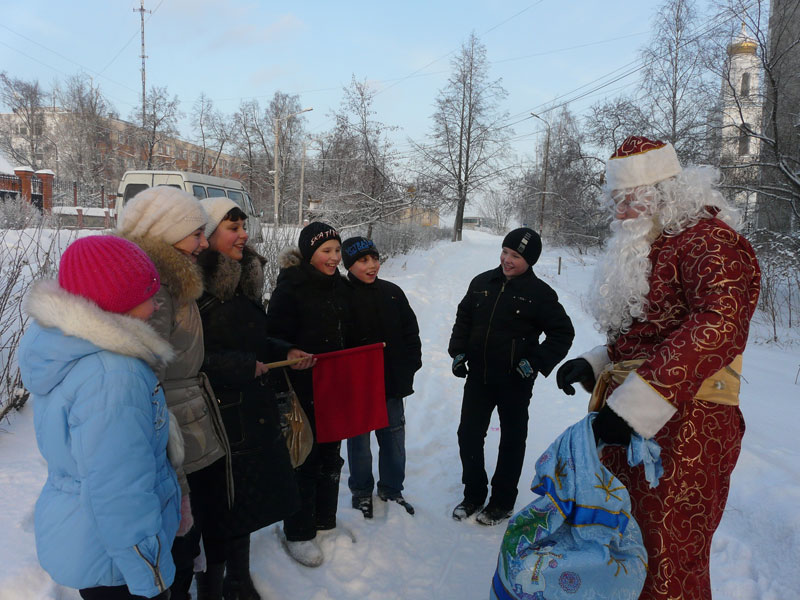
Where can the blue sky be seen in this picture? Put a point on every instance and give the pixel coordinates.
(544, 50)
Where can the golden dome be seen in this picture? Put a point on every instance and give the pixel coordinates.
(743, 44)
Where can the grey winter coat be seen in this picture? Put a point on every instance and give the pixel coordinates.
(189, 395)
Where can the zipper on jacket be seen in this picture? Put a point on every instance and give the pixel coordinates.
(157, 579)
(488, 329)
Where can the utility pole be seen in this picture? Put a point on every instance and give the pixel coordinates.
(276, 178)
(544, 177)
(141, 10)
(302, 177)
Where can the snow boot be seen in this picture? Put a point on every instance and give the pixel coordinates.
(465, 509)
(492, 515)
(209, 582)
(364, 504)
(400, 500)
(238, 585)
(306, 552)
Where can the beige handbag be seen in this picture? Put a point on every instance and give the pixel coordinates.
(299, 437)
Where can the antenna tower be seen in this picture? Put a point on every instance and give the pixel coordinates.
(141, 10)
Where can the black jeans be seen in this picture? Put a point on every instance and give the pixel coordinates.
(318, 480)
(116, 592)
(512, 399)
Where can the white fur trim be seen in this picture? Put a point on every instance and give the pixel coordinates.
(175, 449)
(52, 306)
(598, 358)
(641, 406)
(645, 168)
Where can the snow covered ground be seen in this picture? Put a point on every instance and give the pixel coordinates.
(401, 557)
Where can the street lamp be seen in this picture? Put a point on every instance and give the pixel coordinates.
(276, 190)
(544, 183)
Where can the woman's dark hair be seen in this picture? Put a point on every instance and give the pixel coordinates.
(235, 214)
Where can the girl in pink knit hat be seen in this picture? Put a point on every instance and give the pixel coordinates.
(102, 424)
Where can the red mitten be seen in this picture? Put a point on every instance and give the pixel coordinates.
(186, 516)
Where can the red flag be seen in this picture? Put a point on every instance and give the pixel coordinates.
(349, 393)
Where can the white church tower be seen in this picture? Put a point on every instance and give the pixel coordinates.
(741, 106)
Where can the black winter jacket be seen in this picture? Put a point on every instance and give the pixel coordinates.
(235, 334)
(309, 310)
(381, 313)
(499, 322)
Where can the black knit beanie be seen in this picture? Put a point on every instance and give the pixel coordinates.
(355, 247)
(525, 242)
(313, 235)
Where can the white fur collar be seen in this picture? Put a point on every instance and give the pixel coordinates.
(51, 306)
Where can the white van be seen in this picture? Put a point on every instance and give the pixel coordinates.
(197, 184)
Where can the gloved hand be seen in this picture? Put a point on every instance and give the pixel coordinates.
(610, 428)
(577, 370)
(460, 365)
(187, 520)
(525, 370)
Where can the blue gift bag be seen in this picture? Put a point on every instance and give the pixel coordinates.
(578, 538)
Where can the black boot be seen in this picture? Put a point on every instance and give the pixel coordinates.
(238, 583)
(209, 584)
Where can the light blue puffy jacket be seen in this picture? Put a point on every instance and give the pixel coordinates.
(110, 508)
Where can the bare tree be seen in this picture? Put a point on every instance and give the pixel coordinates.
(359, 152)
(81, 127)
(22, 136)
(677, 88)
(609, 122)
(252, 143)
(160, 125)
(467, 139)
(212, 132)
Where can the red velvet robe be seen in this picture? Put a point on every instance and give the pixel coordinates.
(704, 287)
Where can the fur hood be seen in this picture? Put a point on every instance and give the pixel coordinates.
(290, 257)
(51, 306)
(178, 273)
(222, 275)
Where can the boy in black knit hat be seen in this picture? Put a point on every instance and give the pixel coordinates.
(381, 313)
(495, 345)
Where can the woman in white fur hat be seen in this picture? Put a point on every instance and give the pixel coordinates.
(169, 225)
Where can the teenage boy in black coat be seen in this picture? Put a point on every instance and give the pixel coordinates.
(381, 313)
(495, 345)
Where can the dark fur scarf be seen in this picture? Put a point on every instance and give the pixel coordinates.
(223, 276)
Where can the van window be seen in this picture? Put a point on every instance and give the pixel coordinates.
(199, 191)
(215, 192)
(238, 198)
(132, 189)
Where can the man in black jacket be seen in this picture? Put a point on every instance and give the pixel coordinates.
(381, 313)
(495, 345)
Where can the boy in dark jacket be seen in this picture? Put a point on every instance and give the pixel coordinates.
(381, 313)
(495, 345)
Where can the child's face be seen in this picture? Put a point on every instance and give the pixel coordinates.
(143, 311)
(366, 268)
(193, 244)
(327, 257)
(229, 239)
(513, 264)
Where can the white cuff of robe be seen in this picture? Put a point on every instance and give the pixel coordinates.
(598, 358)
(642, 407)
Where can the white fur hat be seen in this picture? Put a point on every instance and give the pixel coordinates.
(216, 209)
(162, 212)
(640, 161)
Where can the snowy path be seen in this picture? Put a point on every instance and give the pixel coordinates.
(400, 557)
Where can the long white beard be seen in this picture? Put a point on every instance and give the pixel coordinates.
(621, 280)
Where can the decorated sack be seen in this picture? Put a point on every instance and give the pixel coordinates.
(578, 539)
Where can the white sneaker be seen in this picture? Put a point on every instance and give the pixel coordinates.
(306, 552)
